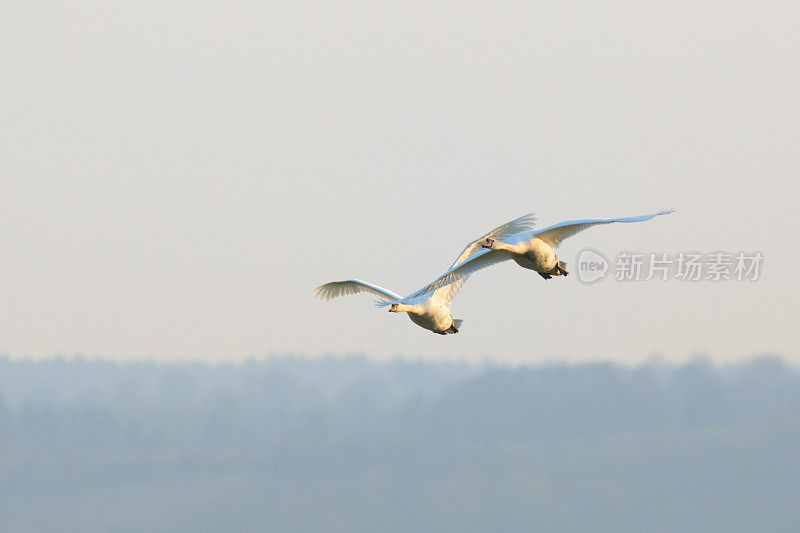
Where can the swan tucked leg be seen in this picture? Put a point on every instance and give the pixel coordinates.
(455, 326)
(559, 270)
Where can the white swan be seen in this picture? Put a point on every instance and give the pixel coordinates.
(532, 249)
(429, 309)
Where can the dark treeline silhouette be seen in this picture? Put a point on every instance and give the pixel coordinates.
(348, 444)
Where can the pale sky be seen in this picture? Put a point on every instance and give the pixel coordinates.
(176, 178)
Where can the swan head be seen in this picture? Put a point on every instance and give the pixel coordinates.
(488, 243)
(394, 308)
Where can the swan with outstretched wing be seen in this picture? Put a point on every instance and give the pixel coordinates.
(532, 249)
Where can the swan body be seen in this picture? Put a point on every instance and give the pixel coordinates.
(531, 249)
(428, 307)
(534, 254)
(439, 321)
(430, 311)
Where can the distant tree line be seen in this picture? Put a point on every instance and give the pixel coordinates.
(349, 444)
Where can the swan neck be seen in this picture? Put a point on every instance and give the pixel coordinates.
(414, 309)
(513, 248)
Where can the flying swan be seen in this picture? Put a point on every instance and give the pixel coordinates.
(428, 308)
(532, 249)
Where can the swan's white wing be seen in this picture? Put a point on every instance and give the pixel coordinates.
(445, 285)
(480, 260)
(334, 289)
(554, 235)
(500, 233)
(446, 293)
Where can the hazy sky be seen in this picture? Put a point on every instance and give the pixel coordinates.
(176, 178)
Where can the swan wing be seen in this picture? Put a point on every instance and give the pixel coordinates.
(334, 289)
(554, 235)
(478, 261)
(472, 259)
(446, 293)
(501, 233)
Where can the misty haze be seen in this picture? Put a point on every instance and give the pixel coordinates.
(353, 445)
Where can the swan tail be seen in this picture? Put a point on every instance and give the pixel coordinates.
(455, 327)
